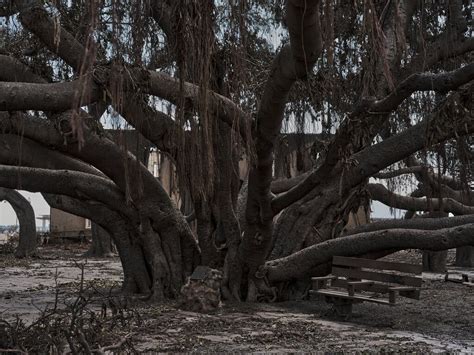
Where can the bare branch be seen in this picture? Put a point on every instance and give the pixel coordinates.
(168, 88)
(156, 126)
(436, 128)
(465, 197)
(148, 196)
(449, 181)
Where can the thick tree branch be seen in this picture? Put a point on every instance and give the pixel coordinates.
(47, 97)
(154, 125)
(63, 182)
(283, 185)
(465, 197)
(136, 274)
(433, 177)
(169, 88)
(414, 223)
(381, 193)
(398, 172)
(293, 62)
(435, 52)
(363, 124)
(459, 107)
(20, 151)
(132, 178)
(13, 70)
(37, 21)
(161, 13)
(436, 128)
(301, 263)
(443, 82)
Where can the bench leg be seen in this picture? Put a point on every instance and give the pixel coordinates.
(392, 296)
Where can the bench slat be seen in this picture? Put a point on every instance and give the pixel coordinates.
(376, 276)
(377, 287)
(339, 294)
(377, 264)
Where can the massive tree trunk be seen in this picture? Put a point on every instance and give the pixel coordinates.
(138, 273)
(163, 230)
(101, 245)
(26, 217)
(294, 61)
(465, 256)
(435, 261)
(169, 249)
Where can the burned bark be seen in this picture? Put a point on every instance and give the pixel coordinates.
(435, 261)
(465, 256)
(101, 245)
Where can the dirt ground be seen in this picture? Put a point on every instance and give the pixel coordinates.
(442, 321)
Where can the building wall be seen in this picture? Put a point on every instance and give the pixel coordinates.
(356, 219)
(164, 170)
(66, 224)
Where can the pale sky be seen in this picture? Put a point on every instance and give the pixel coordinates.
(7, 215)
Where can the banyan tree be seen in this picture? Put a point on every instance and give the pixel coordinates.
(384, 88)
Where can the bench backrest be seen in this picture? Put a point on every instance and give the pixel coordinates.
(380, 271)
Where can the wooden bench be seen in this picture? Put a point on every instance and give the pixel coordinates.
(355, 280)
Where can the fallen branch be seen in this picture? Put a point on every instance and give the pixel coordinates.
(301, 263)
(416, 223)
